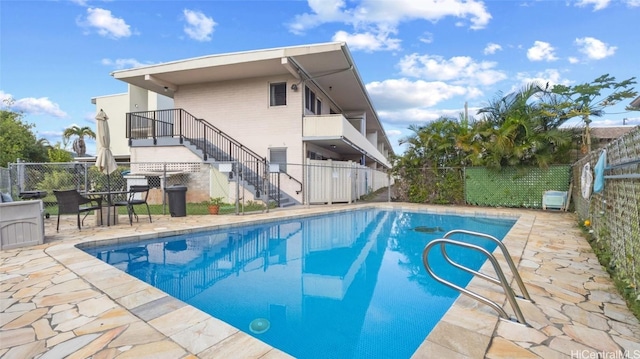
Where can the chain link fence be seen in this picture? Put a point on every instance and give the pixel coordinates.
(201, 186)
(204, 183)
(5, 182)
(614, 213)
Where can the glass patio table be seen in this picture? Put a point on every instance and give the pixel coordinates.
(107, 197)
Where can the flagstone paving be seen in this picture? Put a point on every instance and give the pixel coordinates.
(59, 302)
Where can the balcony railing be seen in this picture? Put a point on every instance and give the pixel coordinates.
(337, 126)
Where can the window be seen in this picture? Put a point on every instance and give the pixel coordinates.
(279, 156)
(310, 100)
(319, 107)
(278, 94)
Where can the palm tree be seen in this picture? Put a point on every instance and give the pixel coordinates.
(44, 143)
(79, 145)
(521, 129)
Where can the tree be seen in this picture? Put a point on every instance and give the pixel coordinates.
(79, 146)
(59, 153)
(17, 140)
(521, 128)
(425, 170)
(587, 99)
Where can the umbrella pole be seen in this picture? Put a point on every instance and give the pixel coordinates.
(109, 200)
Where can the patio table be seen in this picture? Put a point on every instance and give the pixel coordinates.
(107, 197)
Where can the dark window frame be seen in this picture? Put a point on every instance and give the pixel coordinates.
(278, 94)
(310, 100)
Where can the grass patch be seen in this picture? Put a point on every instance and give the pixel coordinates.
(622, 284)
(193, 209)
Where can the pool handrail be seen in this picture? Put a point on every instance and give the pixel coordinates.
(501, 280)
(525, 294)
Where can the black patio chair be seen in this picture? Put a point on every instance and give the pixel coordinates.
(138, 195)
(72, 202)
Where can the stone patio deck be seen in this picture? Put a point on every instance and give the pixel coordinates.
(59, 302)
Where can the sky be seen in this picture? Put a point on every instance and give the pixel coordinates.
(419, 59)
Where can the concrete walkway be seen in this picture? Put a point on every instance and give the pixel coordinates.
(59, 302)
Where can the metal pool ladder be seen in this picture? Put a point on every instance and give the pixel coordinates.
(501, 279)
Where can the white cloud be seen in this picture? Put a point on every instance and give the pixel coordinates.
(403, 94)
(389, 13)
(573, 60)
(124, 63)
(393, 133)
(409, 116)
(199, 27)
(541, 51)
(597, 4)
(32, 105)
(633, 3)
(51, 134)
(413, 116)
(368, 41)
(427, 37)
(459, 69)
(492, 48)
(594, 48)
(105, 23)
(5, 98)
(604, 122)
(549, 76)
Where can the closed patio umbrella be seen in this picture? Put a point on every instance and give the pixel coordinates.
(104, 160)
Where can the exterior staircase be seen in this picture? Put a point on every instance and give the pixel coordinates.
(213, 146)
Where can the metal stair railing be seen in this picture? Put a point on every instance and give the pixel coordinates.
(500, 280)
(214, 143)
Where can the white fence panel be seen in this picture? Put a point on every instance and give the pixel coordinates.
(331, 181)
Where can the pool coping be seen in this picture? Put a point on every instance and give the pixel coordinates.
(138, 297)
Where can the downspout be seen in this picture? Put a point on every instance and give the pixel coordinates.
(305, 162)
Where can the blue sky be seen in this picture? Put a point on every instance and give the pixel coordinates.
(420, 59)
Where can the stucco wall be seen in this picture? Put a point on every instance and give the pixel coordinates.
(241, 109)
(116, 107)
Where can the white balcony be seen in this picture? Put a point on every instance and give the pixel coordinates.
(335, 133)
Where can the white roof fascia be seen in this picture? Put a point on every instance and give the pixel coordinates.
(227, 59)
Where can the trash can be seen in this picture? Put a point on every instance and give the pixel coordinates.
(177, 200)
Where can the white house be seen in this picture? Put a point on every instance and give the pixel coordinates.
(117, 106)
(290, 106)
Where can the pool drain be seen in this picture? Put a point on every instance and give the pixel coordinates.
(259, 325)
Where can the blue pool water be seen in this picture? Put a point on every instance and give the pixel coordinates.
(344, 285)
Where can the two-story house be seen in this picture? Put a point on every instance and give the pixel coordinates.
(284, 110)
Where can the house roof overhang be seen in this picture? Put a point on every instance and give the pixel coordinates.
(344, 146)
(329, 66)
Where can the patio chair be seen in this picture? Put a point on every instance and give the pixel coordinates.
(72, 202)
(138, 195)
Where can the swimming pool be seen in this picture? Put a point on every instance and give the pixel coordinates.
(345, 285)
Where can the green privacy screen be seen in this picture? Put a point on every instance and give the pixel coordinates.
(514, 187)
